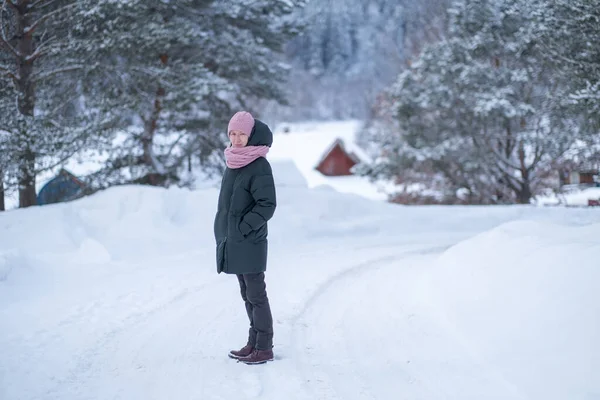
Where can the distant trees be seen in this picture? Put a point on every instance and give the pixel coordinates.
(351, 49)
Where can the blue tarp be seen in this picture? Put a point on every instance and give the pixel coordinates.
(64, 187)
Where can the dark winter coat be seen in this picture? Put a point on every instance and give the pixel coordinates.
(246, 202)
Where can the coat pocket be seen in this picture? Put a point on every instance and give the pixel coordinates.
(221, 259)
(261, 233)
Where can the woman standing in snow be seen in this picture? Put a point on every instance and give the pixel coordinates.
(246, 202)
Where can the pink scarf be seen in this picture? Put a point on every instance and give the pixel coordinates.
(238, 157)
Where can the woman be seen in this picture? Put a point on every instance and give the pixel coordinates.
(246, 202)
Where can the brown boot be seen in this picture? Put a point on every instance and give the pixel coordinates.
(258, 357)
(243, 352)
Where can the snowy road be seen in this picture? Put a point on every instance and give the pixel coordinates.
(369, 302)
(364, 332)
(159, 334)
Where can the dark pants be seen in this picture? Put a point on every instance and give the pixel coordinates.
(254, 294)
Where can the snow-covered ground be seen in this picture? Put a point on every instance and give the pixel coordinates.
(116, 296)
(574, 197)
(305, 143)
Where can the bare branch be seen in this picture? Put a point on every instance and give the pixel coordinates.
(47, 75)
(39, 51)
(63, 104)
(501, 158)
(30, 29)
(175, 143)
(44, 3)
(538, 153)
(510, 181)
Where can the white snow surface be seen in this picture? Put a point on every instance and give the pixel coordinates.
(116, 296)
(574, 198)
(306, 143)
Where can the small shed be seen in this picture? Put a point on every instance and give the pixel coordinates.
(63, 187)
(579, 177)
(337, 160)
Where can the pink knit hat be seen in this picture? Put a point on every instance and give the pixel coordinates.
(242, 121)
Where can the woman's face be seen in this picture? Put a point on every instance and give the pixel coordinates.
(238, 138)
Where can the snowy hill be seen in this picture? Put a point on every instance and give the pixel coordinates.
(117, 296)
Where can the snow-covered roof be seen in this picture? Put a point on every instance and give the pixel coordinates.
(353, 151)
(307, 143)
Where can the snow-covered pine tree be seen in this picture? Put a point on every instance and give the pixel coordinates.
(41, 100)
(246, 52)
(478, 106)
(427, 145)
(571, 33)
(512, 94)
(175, 70)
(146, 53)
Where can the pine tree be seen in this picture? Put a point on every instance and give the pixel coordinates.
(571, 33)
(168, 73)
(478, 106)
(176, 70)
(39, 109)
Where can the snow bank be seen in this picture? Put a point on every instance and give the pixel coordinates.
(287, 174)
(111, 223)
(524, 301)
(581, 198)
(573, 198)
(114, 224)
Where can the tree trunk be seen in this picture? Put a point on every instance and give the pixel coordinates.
(26, 101)
(2, 206)
(27, 191)
(156, 169)
(524, 194)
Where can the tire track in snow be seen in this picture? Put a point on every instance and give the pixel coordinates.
(361, 268)
(288, 366)
(380, 338)
(341, 374)
(85, 365)
(317, 383)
